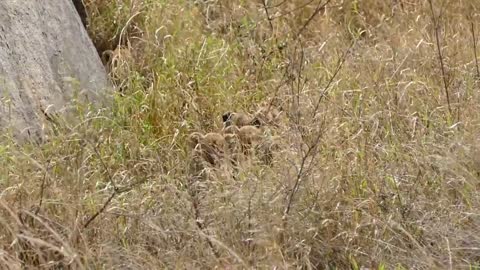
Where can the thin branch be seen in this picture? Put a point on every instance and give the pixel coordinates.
(107, 202)
(110, 178)
(440, 56)
(107, 171)
(264, 3)
(277, 5)
(293, 10)
(298, 180)
(277, 88)
(475, 48)
(251, 244)
(314, 14)
(339, 66)
(313, 147)
(198, 222)
(115, 192)
(42, 189)
(310, 154)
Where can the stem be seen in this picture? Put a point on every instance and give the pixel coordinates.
(314, 14)
(269, 18)
(440, 57)
(107, 202)
(475, 48)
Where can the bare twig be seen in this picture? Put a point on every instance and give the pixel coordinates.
(107, 202)
(46, 175)
(42, 189)
(299, 178)
(107, 171)
(294, 80)
(317, 10)
(292, 10)
(195, 200)
(311, 153)
(110, 178)
(312, 149)
(299, 85)
(277, 88)
(196, 209)
(265, 7)
(277, 5)
(115, 192)
(472, 28)
(440, 56)
(251, 243)
(339, 66)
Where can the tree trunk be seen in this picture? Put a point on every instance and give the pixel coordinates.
(46, 59)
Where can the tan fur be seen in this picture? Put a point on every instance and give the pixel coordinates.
(268, 115)
(241, 119)
(250, 135)
(233, 147)
(249, 140)
(238, 119)
(246, 137)
(118, 64)
(230, 130)
(194, 139)
(231, 140)
(210, 147)
(266, 149)
(117, 58)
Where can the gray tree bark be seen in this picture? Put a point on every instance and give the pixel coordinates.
(46, 59)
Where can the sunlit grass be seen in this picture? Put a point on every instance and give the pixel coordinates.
(383, 175)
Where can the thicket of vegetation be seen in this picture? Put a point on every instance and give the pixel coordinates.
(378, 163)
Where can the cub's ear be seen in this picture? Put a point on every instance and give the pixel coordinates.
(194, 139)
(226, 117)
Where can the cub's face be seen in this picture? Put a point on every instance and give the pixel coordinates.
(227, 119)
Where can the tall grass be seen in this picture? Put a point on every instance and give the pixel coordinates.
(373, 171)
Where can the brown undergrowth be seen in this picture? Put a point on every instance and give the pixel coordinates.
(377, 167)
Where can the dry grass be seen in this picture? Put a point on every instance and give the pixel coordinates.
(374, 170)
